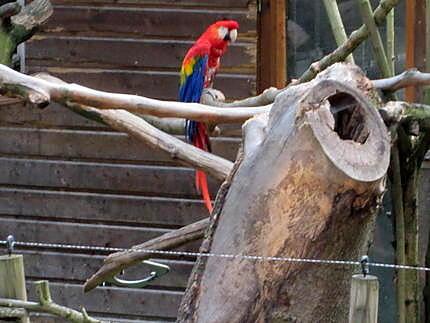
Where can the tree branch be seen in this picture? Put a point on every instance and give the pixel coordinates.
(46, 305)
(138, 128)
(354, 40)
(14, 83)
(116, 262)
(29, 19)
(338, 55)
(410, 77)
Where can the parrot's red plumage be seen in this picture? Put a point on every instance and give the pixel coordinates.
(197, 72)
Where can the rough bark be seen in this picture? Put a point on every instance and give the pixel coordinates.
(313, 195)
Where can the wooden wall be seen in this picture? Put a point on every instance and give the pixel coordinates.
(64, 179)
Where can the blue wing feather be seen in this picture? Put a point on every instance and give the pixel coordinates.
(191, 91)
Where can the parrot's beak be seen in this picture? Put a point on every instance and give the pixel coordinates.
(233, 35)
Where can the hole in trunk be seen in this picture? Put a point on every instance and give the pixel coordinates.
(349, 118)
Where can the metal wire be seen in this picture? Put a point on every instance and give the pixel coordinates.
(199, 254)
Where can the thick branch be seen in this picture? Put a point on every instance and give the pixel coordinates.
(411, 77)
(125, 121)
(12, 83)
(121, 260)
(354, 40)
(30, 18)
(46, 305)
(138, 128)
(399, 111)
(9, 9)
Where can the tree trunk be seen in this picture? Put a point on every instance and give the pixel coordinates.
(307, 186)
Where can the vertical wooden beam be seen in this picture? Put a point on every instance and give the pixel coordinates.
(415, 42)
(12, 280)
(272, 44)
(363, 305)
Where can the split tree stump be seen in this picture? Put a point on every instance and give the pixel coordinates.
(308, 186)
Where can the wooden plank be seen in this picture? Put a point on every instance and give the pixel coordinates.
(145, 303)
(56, 116)
(142, 22)
(272, 42)
(12, 282)
(154, 84)
(100, 208)
(53, 115)
(100, 145)
(45, 318)
(415, 42)
(76, 267)
(363, 306)
(177, 3)
(77, 233)
(126, 178)
(71, 51)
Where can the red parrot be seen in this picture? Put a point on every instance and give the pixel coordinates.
(197, 72)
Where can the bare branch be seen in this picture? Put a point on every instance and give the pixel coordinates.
(338, 55)
(30, 18)
(116, 262)
(125, 121)
(410, 77)
(46, 305)
(354, 40)
(12, 84)
(9, 9)
(138, 128)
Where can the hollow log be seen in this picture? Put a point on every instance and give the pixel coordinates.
(308, 186)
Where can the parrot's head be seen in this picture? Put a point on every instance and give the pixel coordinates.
(221, 33)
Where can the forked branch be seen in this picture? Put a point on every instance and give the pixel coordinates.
(14, 84)
(46, 305)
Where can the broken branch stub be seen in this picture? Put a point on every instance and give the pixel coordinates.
(308, 187)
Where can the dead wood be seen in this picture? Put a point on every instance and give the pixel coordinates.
(121, 260)
(309, 186)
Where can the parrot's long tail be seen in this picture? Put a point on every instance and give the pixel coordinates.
(197, 134)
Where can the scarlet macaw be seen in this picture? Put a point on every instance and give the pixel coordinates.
(197, 72)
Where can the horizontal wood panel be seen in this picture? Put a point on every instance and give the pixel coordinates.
(101, 208)
(144, 302)
(46, 318)
(143, 22)
(92, 145)
(76, 267)
(76, 233)
(127, 53)
(154, 180)
(162, 85)
(162, 3)
(54, 115)
(57, 116)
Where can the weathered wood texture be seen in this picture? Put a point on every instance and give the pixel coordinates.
(66, 179)
(363, 305)
(319, 184)
(12, 284)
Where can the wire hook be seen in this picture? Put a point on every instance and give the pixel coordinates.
(10, 244)
(158, 270)
(364, 265)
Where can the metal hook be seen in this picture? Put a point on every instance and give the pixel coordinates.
(365, 265)
(10, 244)
(158, 270)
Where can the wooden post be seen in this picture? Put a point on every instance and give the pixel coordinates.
(272, 44)
(12, 280)
(415, 42)
(363, 307)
